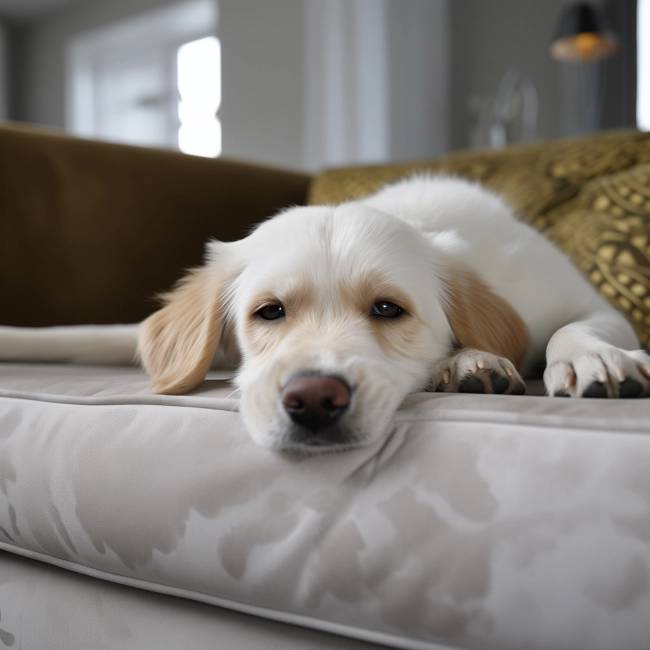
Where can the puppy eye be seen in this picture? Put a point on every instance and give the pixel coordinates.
(387, 309)
(271, 312)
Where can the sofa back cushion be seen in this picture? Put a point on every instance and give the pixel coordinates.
(90, 232)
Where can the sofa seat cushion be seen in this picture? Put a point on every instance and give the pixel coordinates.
(480, 522)
(48, 608)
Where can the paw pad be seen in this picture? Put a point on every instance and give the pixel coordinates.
(471, 384)
(629, 388)
(595, 389)
(499, 382)
(519, 388)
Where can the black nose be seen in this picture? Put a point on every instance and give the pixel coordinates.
(315, 401)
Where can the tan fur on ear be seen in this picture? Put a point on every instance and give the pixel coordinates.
(482, 320)
(178, 342)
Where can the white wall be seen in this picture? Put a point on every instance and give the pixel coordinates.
(367, 84)
(262, 84)
(40, 54)
(376, 80)
(346, 82)
(311, 84)
(261, 111)
(4, 72)
(488, 38)
(419, 73)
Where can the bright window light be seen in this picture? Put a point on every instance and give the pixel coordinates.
(643, 65)
(199, 87)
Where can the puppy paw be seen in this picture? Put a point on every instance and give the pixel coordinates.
(474, 371)
(609, 372)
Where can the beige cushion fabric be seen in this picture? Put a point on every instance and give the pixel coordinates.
(482, 521)
(47, 608)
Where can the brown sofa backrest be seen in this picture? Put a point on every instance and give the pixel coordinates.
(90, 231)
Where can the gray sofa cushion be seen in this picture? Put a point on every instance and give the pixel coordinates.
(481, 522)
(48, 608)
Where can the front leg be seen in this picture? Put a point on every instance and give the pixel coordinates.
(595, 358)
(475, 371)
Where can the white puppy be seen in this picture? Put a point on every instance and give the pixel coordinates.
(335, 314)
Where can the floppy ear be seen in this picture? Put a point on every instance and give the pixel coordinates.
(178, 342)
(482, 320)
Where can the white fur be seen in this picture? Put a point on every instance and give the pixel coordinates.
(439, 219)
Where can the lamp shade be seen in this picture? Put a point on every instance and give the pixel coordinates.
(583, 36)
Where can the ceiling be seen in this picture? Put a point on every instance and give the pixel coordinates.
(29, 8)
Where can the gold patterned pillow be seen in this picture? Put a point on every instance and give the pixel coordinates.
(605, 230)
(535, 178)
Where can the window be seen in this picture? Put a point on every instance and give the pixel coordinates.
(152, 80)
(643, 65)
(199, 87)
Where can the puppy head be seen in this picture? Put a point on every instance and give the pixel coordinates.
(338, 314)
(347, 293)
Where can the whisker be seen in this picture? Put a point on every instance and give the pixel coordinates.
(234, 392)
